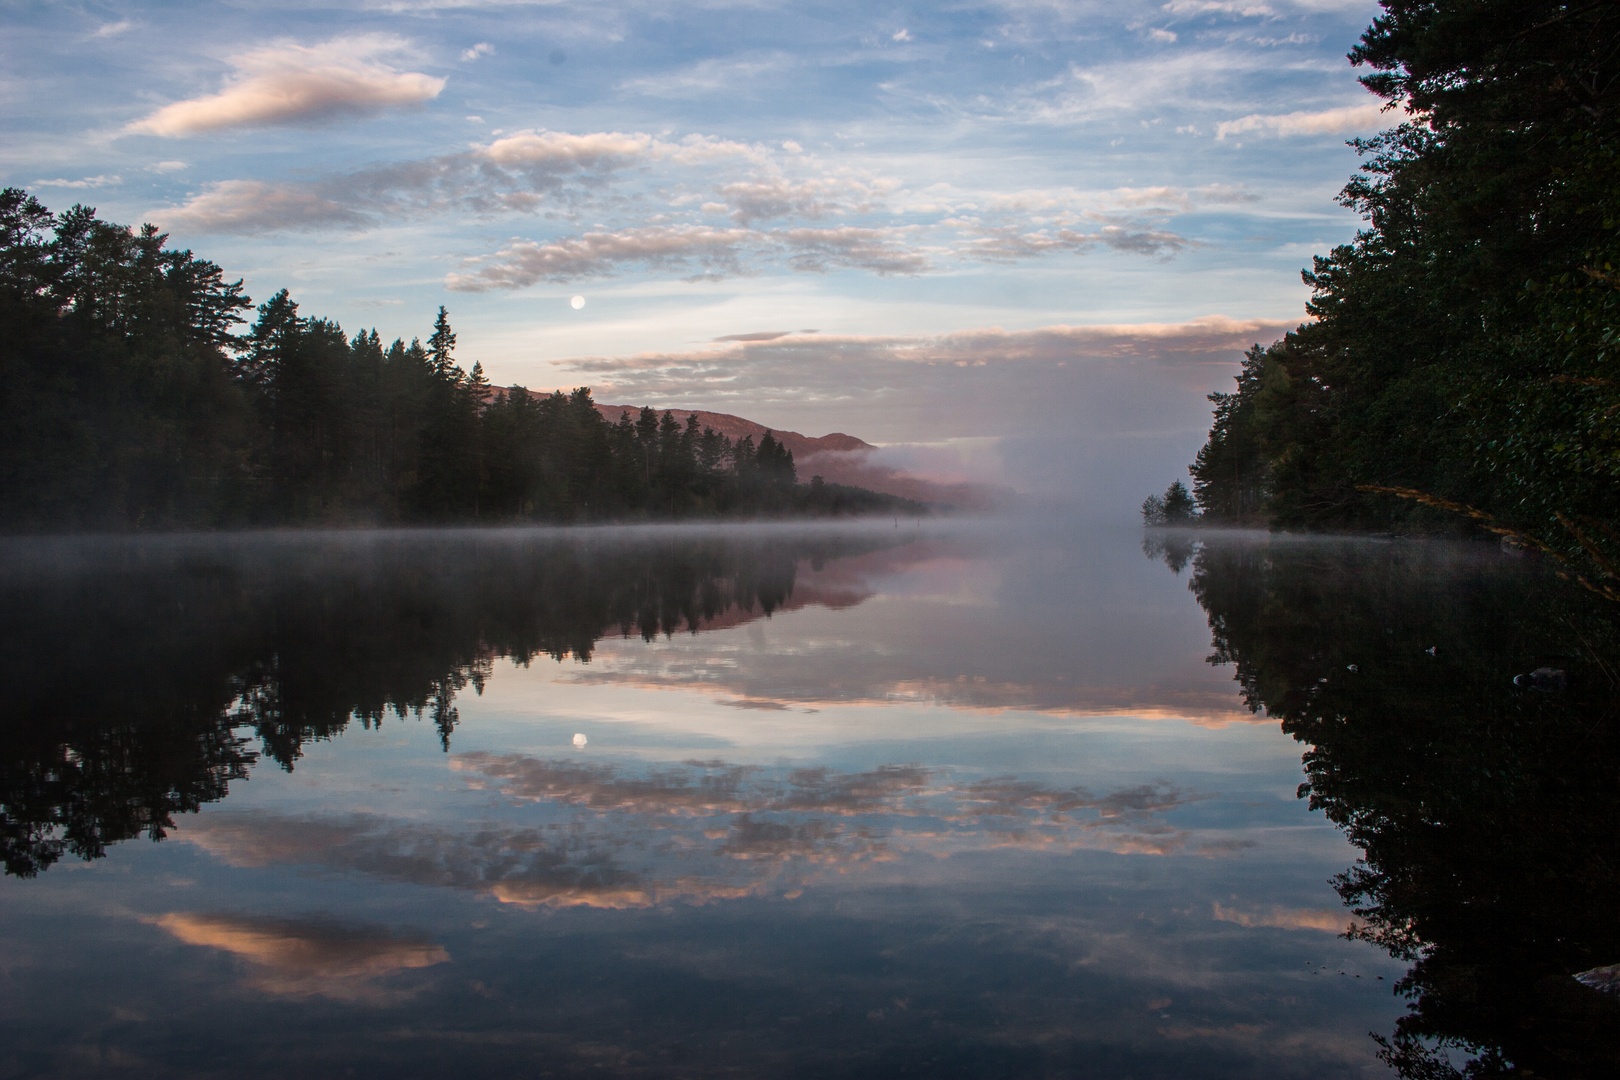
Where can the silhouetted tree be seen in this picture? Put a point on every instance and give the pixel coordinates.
(1174, 507)
(1461, 347)
(130, 403)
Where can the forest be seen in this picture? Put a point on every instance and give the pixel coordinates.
(1459, 366)
(137, 395)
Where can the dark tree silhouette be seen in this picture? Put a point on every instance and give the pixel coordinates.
(130, 404)
(1462, 347)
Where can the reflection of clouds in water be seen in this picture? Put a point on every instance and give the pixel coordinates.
(1332, 922)
(555, 866)
(705, 831)
(301, 959)
(1206, 708)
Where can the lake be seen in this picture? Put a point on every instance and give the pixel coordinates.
(896, 798)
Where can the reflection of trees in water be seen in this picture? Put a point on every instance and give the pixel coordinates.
(130, 668)
(1485, 813)
(1174, 547)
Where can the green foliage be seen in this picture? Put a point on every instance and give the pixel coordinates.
(130, 403)
(1463, 345)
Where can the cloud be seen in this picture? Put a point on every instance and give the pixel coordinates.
(85, 182)
(550, 151)
(113, 29)
(977, 347)
(612, 175)
(167, 166)
(757, 335)
(1159, 196)
(483, 48)
(616, 175)
(1072, 206)
(1143, 85)
(707, 76)
(303, 959)
(693, 250)
(1235, 8)
(881, 251)
(293, 84)
(770, 197)
(1224, 194)
(521, 172)
(1325, 122)
(249, 206)
(1008, 244)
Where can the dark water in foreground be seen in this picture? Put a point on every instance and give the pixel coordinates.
(828, 801)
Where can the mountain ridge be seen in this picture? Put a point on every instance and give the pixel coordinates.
(837, 457)
(736, 427)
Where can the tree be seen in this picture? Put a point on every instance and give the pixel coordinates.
(1174, 507)
(442, 346)
(1178, 504)
(1462, 346)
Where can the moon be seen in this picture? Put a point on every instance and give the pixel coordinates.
(580, 741)
(577, 302)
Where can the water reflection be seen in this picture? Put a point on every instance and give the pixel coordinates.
(133, 669)
(295, 958)
(1484, 810)
(706, 831)
(967, 803)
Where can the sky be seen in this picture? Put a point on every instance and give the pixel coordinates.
(1015, 241)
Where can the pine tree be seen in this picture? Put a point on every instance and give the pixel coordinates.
(1179, 508)
(476, 394)
(442, 345)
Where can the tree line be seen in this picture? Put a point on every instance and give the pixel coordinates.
(135, 399)
(1461, 358)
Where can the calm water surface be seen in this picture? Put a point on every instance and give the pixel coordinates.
(839, 800)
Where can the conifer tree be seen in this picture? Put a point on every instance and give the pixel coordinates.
(442, 345)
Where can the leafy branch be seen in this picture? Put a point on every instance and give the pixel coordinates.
(1606, 567)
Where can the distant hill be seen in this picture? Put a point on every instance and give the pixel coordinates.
(735, 427)
(839, 459)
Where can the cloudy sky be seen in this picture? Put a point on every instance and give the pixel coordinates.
(1019, 238)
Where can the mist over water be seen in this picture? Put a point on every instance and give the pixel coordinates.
(958, 798)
